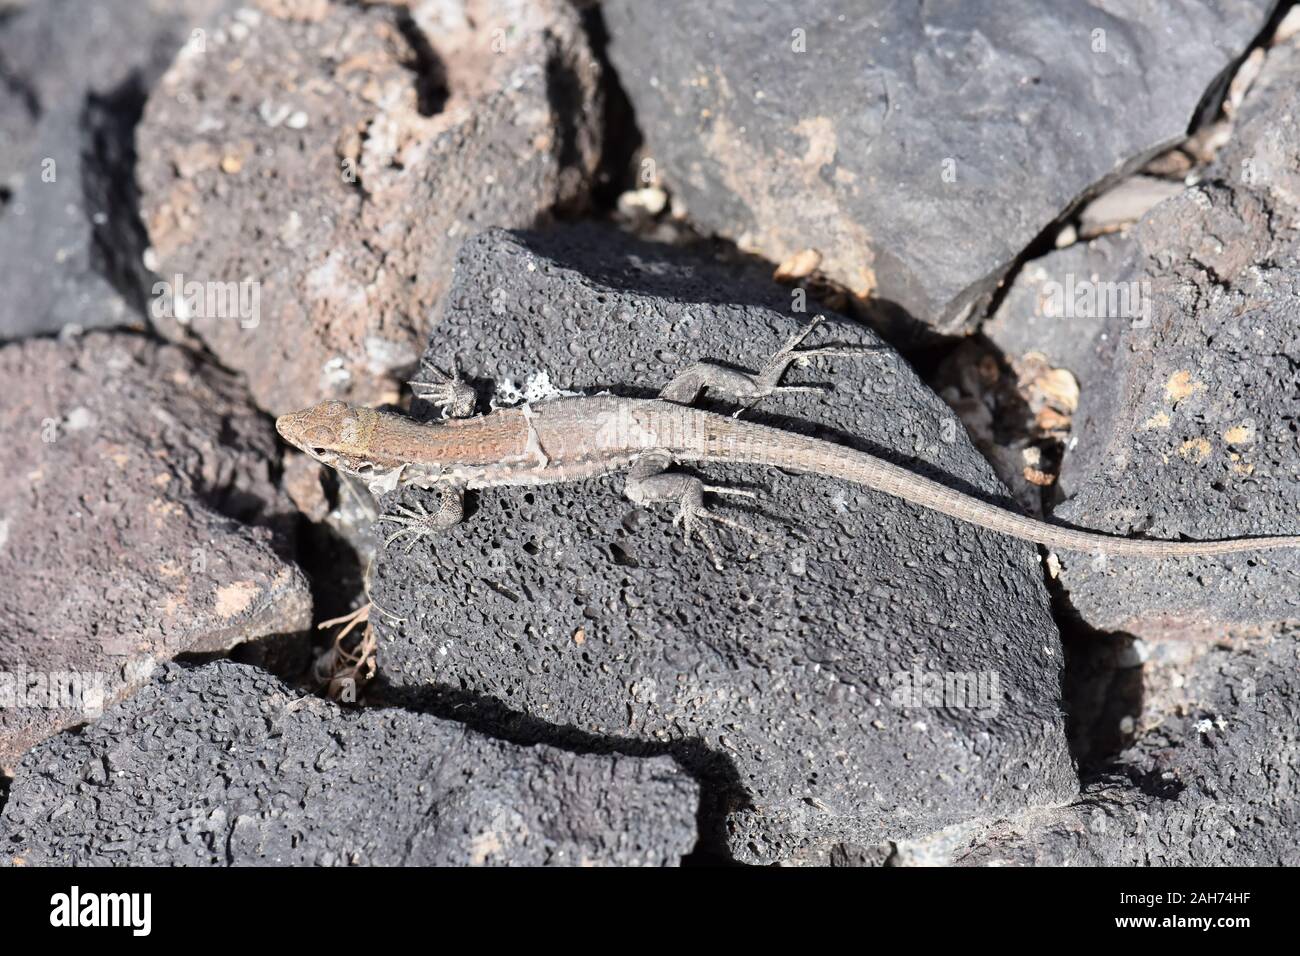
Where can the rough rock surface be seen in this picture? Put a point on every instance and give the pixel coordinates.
(1213, 783)
(571, 607)
(1187, 420)
(225, 765)
(73, 81)
(1039, 314)
(128, 472)
(336, 154)
(918, 148)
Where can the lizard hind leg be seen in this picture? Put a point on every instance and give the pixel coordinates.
(752, 387)
(650, 482)
(418, 523)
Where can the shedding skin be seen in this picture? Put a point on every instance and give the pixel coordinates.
(573, 438)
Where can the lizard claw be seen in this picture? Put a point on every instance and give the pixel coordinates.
(418, 523)
(450, 393)
(688, 519)
(693, 514)
(734, 492)
(769, 378)
(650, 482)
(415, 522)
(750, 388)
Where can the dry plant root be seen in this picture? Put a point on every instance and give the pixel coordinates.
(342, 670)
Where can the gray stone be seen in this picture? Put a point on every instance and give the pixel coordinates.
(73, 81)
(333, 156)
(1042, 312)
(1047, 311)
(138, 520)
(224, 765)
(1212, 783)
(919, 149)
(1185, 425)
(573, 609)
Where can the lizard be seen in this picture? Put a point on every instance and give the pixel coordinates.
(575, 437)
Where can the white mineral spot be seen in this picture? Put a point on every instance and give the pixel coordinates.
(536, 388)
(335, 372)
(79, 418)
(272, 114)
(291, 230)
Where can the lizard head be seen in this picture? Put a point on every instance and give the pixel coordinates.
(334, 433)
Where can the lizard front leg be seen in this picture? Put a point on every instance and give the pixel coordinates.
(752, 387)
(419, 523)
(448, 392)
(649, 481)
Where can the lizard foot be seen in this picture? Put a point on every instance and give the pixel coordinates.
(752, 387)
(418, 523)
(692, 515)
(448, 392)
(649, 483)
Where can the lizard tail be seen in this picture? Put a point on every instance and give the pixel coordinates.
(809, 455)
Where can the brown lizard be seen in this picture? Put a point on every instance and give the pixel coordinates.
(572, 438)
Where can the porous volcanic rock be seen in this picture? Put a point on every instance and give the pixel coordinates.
(332, 156)
(224, 765)
(1213, 781)
(135, 507)
(782, 676)
(1187, 418)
